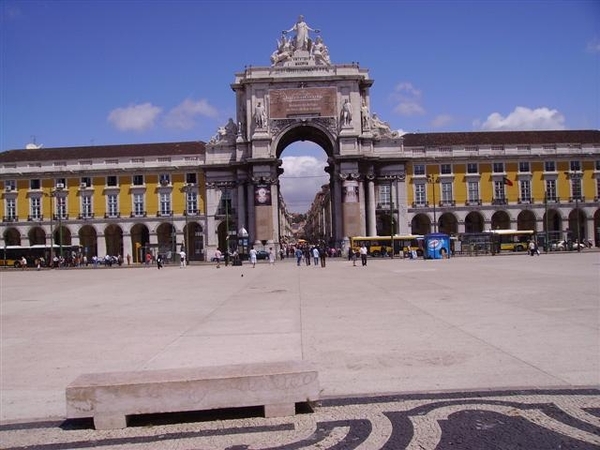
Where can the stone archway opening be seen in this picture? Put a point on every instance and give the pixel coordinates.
(448, 224)
(113, 235)
(140, 239)
(474, 222)
(37, 236)
(526, 221)
(11, 236)
(500, 221)
(88, 239)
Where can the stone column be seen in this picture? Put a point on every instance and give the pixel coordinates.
(101, 240)
(350, 206)
(371, 216)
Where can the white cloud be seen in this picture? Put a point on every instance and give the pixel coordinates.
(302, 178)
(408, 99)
(442, 120)
(134, 117)
(523, 118)
(594, 46)
(183, 115)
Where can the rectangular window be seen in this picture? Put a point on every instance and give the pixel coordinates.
(11, 209)
(473, 191)
(551, 190)
(165, 204)
(420, 199)
(525, 190)
(191, 178)
(61, 207)
(10, 185)
(138, 180)
(576, 188)
(112, 203)
(446, 189)
(60, 183)
(191, 203)
(472, 168)
(499, 190)
(498, 167)
(597, 164)
(86, 182)
(384, 195)
(575, 166)
(112, 181)
(524, 167)
(419, 169)
(164, 179)
(138, 204)
(35, 208)
(446, 169)
(86, 206)
(35, 184)
(549, 166)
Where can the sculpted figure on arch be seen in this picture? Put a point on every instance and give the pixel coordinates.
(301, 28)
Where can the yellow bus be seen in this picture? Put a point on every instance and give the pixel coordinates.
(11, 255)
(382, 245)
(512, 240)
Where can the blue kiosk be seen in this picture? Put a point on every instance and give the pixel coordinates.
(436, 246)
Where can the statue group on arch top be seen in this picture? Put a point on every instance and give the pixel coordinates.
(301, 44)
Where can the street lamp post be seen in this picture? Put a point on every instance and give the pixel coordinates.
(58, 192)
(433, 181)
(575, 177)
(186, 235)
(392, 217)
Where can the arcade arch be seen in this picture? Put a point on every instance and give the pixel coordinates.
(37, 236)
(88, 239)
(474, 222)
(140, 238)
(526, 220)
(11, 236)
(113, 235)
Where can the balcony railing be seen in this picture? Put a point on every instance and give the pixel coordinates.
(112, 215)
(443, 203)
(477, 202)
(138, 214)
(499, 201)
(164, 214)
(580, 198)
(225, 212)
(525, 200)
(86, 216)
(10, 219)
(33, 218)
(60, 217)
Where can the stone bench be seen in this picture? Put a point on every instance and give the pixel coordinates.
(110, 397)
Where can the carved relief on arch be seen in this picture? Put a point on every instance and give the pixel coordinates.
(264, 180)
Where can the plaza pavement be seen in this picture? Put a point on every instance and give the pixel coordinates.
(508, 323)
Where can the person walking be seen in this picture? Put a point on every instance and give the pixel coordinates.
(315, 253)
(159, 261)
(299, 255)
(218, 256)
(322, 255)
(253, 257)
(271, 256)
(182, 261)
(363, 255)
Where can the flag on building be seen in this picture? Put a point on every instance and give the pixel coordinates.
(507, 181)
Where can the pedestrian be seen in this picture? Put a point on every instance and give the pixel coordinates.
(218, 256)
(226, 256)
(253, 257)
(363, 255)
(159, 261)
(531, 247)
(148, 259)
(128, 259)
(299, 255)
(353, 256)
(23, 263)
(322, 255)
(315, 253)
(182, 261)
(271, 256)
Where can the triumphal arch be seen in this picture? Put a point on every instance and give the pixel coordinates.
(303, 95)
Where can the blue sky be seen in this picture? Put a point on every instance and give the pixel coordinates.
(115, 72)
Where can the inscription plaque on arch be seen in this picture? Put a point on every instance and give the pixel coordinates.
(305, 102)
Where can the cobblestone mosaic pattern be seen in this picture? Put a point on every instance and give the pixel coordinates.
(550, 419)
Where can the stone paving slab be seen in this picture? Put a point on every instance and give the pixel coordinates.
(393, 327)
